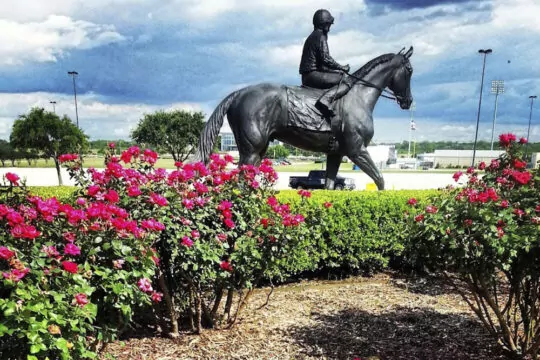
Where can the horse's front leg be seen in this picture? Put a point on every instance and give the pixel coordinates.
(333, 162)
(364, 161)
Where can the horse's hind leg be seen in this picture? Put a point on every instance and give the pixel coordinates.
(333, 162)
(249, 159)
(364, 161)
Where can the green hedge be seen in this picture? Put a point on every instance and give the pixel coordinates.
(364, 228)
(64, 194)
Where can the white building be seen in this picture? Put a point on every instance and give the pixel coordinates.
(461, 158)
(228, 143)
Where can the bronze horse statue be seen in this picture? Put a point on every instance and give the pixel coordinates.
(261, 113)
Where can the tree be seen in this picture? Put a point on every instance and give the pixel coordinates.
(6, 152)
(44, 132)
(217, 145)
(175, 132)
(277, 152)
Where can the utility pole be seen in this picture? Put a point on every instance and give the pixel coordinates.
(485, 52)
(412, 127)
(497, 87)
(74, 74)
(532, 97)
(53, 105)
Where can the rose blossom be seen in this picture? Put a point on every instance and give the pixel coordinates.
(457, 175)
(70, 267)
(13, 178)
(5, 253)
(72, 249)
(118, 263)
(144, 284)
(156, 296)
(225, 265)
(187, 241)
(81, 299)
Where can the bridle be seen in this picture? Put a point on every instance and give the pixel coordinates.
(392, 96)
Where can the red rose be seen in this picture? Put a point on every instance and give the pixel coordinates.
(70, 267)
(5, 253)
(81, 299)
(12, 178)
(225, 265)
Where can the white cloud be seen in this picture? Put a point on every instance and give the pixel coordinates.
(434, 38)
(49, 39)
(285, 12)
(99, 120)
(517, 15)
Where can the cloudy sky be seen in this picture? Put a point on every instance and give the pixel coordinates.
(138, 56)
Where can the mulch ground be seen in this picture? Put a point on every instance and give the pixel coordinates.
(381, 317)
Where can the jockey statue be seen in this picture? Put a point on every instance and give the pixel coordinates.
(318, 69)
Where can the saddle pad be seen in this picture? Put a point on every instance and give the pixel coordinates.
(301, 109)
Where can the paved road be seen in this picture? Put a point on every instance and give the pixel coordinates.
(394, 181)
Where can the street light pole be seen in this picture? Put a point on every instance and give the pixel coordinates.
(411, 128)
(53, 106)
(485, 52)
(532, 97)
(74, 74)
(497, 87)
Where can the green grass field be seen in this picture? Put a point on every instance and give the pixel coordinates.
(169, 164)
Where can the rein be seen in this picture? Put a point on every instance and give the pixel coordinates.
(368, 84)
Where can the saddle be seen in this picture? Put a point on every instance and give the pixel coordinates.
(303, 113)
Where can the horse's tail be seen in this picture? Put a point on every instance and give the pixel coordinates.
(211, 130)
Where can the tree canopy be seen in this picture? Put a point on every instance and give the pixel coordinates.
(44, 133)
(175, 132)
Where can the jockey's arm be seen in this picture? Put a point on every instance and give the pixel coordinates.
(326, 59)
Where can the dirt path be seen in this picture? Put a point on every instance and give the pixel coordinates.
(383, 317)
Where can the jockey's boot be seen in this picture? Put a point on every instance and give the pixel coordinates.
(326, 101)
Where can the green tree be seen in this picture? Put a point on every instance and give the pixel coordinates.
(6, 152)
(277, 152)
(217, 144)
(45, 133)
(175, 132)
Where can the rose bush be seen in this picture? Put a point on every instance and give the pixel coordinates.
(69, 272)
(486, 233)
(223, 228)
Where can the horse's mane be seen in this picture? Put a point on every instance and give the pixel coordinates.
(366, 69)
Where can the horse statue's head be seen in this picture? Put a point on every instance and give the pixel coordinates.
(400, 83)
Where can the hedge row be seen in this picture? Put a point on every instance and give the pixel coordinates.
(364, 229)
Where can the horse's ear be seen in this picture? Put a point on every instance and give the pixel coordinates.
(401, 51)
(409, 52)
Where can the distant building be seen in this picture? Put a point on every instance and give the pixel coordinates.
(461, 158)
(228, 143)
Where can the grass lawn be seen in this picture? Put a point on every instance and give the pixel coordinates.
(169, 164)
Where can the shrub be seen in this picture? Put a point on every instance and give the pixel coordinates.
(64, 194)
(362, 230)
(70, 272)
(224, 230)
(487, 233)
